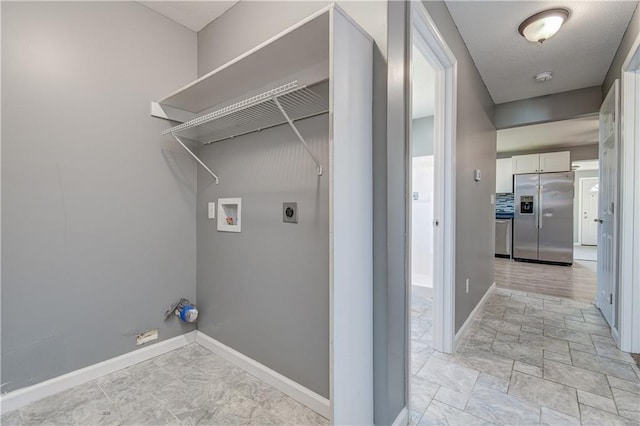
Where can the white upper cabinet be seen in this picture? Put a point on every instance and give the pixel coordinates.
(526, 164)
(555, 162)
(542, 163)
(504, 175)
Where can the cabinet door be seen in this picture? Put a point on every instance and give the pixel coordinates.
(526, 164)
(504, 176)
(555, 162)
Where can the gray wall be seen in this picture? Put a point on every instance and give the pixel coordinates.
(623, 50)
(98, 230)
(422, 136)
(475, 149)
(265, 291)
(576, 199)
(578, 153)
(228, 37)
(391, 157)
(544, 109)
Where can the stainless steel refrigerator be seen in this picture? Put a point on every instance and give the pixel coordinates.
(543, 220)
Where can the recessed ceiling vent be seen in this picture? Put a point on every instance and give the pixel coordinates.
(543, 76)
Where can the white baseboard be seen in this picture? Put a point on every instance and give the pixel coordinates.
(474, 313)
(21, 397)
(305, 396)
(402, 419)
(421, 291)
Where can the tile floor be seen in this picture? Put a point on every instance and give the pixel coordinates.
(189, 386)
(529, 359)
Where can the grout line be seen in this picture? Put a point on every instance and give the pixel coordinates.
(170, 412)
(116, 406)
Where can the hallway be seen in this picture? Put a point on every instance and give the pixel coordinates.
(528, 359)
(576, 282)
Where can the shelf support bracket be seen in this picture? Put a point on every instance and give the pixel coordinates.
(295, 130)
(195, 157)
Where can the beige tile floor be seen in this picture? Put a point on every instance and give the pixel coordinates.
(529, 359)
(189, 386)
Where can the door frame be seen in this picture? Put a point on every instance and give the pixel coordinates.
(580, 200)
(628, 333)
(422, 29)
(431, 43)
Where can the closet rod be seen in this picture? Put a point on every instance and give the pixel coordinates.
(196, 158)
(295, 130)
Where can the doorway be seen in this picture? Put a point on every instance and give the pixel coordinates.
(431, 176)
(430, 266)
(586, 199)
(589, 211)
(627, 332)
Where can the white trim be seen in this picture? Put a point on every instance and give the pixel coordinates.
(21, 397)
(629, 272)
(296, 391)
(402, 419)
(421, 291)
(167, 112)
(474, 313)
(292, 28)
(431, 43)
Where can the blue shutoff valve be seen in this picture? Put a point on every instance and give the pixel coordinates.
(183, 309)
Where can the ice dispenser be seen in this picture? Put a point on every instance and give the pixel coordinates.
(526, 204)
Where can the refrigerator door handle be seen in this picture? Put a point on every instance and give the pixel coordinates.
(540, 187)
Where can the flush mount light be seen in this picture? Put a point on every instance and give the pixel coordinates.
(543, 76)
(543, 25)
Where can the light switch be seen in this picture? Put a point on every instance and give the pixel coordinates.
(212, 210)
(477, 175)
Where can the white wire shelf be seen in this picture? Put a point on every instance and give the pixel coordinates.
(285, 104)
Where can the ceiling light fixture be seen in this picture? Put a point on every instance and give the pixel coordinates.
(542, 26)
(543, 76)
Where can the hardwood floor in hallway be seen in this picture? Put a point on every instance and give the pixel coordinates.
(576, 282)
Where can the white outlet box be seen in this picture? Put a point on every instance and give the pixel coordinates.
(147, 336)
(493, 199)
(467, 285)
(211, 214)
(229, 214)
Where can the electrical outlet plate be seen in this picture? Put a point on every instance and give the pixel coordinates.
(290, 212)
(467, 285)
(147, 336)
(211, 213)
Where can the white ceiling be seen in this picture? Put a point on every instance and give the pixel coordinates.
(578, 131)
(579, 55)
(423, 86)
(194, 15)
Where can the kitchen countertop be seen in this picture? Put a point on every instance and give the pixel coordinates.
(504, 215)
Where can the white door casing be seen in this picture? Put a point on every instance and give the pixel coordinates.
(608, 206)
(589, 211)
(428, 40)
(628, 333)
(424, 33)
